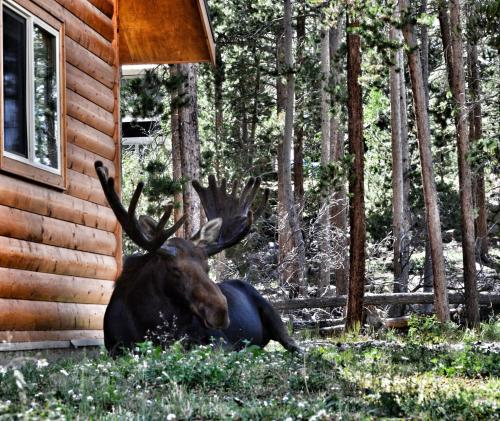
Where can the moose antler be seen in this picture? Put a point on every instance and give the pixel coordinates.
(237, 218)
(150, 241)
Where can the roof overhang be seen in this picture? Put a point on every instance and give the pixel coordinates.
(164, 31)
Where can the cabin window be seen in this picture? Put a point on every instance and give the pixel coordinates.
(31, 89)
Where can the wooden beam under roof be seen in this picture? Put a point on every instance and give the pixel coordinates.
(164, 31)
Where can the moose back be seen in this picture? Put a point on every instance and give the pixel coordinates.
(166, 294)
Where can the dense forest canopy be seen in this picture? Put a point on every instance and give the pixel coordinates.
(335, 105)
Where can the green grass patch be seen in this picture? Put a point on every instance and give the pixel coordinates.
(410, 378)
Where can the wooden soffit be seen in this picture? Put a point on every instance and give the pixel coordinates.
(164, 31)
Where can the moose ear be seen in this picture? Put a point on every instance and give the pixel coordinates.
(208, 233)
(148, 225)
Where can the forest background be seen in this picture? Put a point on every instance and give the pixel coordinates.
(323, 102)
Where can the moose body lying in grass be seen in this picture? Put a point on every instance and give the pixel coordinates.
(166, 294)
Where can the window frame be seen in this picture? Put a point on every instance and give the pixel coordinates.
(11, 162)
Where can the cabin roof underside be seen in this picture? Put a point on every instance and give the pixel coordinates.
(164, 31)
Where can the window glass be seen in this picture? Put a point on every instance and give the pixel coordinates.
(14, 80)
(45, 89)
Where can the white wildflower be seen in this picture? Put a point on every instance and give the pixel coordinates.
(63, 371)
(41, 363)
(171, 417)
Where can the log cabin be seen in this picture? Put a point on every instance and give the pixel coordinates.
(60, 245)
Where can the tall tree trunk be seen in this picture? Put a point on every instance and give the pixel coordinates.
(356, 179)
(339, 202)
(424, 56)
(293, 222)
(298, 146)
(324, 212)
(219, 111)
(190, 147)
(429, 184)
(476, 134)
(294, 241)
(176, 149)
(405, 150)
(400, 259)
(464, 172)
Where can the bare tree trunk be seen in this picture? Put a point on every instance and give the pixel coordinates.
(339, 202)
(476, 134)
(400, 259)
(176, 150)
(219, 111)
(190, 147)
(356, 180)
(464, 172)
(424, 56)
(298, 147)
(294, 241)
(430, 193)
(324, 212)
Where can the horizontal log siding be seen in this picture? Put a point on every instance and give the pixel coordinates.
(26, 285)
(105, 6)
(90, 15)
(90, 139)
(49, 335)
(44, 315)
(82, 161)
(89, 63)
(89, 88)
(59, 251)
(42, 229)
(42, 201)
(86, 188)
(25, 255)
(89, 113)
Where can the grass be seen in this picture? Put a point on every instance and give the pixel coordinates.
(359, 377)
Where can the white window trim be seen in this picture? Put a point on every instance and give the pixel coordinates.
(31, 20)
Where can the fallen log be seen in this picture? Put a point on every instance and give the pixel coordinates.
(380, 299)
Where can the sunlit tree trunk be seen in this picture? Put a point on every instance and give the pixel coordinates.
(298, 146)
(324, 212)
(428, 181)
(475, 135)
(339, 203)
(356, 179)
(400, 259)
(176, 148)
(190, 146)
(457, 80)
(295, 239)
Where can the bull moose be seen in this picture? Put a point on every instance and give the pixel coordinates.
(166, 294)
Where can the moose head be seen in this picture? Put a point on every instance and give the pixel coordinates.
(171, 280)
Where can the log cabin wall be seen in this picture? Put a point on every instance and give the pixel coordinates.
(60, 251)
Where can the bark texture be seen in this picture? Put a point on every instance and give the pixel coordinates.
(430, 193)
(339, 203)
(464, 172)
(356, 180)
(324, 213)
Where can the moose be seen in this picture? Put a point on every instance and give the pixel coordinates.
(166, 294)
